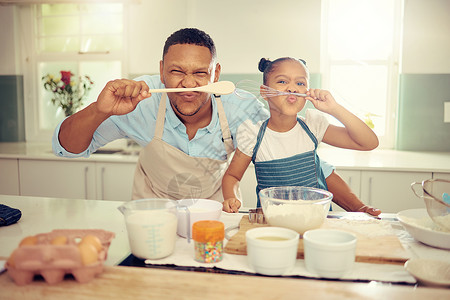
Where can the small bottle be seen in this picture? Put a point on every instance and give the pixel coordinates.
(208, 240)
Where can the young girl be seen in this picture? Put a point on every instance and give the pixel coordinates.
(283, 148)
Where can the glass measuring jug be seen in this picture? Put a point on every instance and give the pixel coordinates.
(151, 226)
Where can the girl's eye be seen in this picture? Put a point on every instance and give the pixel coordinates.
(282, 81)
(300, 83)
(176, 72)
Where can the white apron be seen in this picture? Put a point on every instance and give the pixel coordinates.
(164, 171)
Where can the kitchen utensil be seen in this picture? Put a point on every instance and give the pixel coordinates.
(151, 226)
(418, 223)
(429, 272)
(295, 207)
(329, 253)
(198, 210)
(433, 192)
(256, 215)
(271, 250)
(217, 88)
(247, 89)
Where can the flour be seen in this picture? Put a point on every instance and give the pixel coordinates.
(368, 228)
(296, 217)
(427, 223)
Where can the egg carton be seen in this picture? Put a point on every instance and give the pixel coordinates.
(53, 262)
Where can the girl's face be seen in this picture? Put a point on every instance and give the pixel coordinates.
(287, 76)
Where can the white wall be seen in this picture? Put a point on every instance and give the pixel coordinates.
(426, 37)
(244, 31)
(7, 44)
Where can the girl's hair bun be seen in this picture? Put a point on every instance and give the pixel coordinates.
(263, 64)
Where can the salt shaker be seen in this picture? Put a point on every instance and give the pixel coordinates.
(208, 240)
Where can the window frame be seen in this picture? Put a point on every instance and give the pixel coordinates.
(393, 64)
(28, 29)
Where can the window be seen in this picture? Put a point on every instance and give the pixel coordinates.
(85, 39)
(360, 59)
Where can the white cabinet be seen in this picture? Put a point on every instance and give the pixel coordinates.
(57, 178)
(391, 191)
(353, 179)
(445, 176)
(9, 176)
(115, 181)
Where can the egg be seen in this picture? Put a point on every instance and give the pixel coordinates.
(59, 240)
(93, 240)
(11, 261)
(28, 241)
(88, 253)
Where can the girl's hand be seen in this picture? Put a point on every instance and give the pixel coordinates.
(231, 205)
(369, 210)
(322, 100)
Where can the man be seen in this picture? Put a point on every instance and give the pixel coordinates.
(187, 138)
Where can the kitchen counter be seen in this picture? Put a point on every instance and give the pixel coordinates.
(45, 214)
(382, 160)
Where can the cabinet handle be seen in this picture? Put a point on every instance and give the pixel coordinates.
(86, 169)
(350, 181)
(370, 191)
(103, 183)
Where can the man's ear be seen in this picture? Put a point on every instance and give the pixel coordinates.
(217, 72)
(161, 67)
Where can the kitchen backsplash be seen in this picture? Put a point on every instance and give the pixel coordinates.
(421, 124)
(12, 117)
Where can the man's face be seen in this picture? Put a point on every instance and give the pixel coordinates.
(187, 66)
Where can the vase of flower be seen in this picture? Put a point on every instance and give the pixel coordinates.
(68, 91)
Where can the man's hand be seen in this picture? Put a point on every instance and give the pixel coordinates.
(121, 96)
(231, 205)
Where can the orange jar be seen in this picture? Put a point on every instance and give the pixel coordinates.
(208, 240)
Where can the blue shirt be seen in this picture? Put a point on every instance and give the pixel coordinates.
(139, 125)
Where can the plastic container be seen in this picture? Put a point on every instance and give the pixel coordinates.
(53, 262)
(208, 240)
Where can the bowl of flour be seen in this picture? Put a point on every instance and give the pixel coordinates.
(294, 207)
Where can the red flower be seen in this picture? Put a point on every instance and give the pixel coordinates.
(65, 77)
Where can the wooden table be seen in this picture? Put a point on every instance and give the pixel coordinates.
(143, 283)
(45, 214)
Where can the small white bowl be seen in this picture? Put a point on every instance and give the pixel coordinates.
(199, 210)
(271, 250)
(329, 253)
(429, 272)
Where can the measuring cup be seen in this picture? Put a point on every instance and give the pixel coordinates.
(151, 226)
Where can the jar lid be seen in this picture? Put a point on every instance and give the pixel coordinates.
(208, 231)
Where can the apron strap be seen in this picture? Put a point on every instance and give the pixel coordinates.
(310, 134)
(226, 134)
(159, 128)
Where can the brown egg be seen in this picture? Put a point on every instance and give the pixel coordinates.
(88, 253)
(28, 241)
(11, 261)
(93, 240)
(59, 240)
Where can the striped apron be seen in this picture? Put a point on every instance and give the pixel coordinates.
(299, 170)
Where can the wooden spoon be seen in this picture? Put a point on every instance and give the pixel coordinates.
(217, 88)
